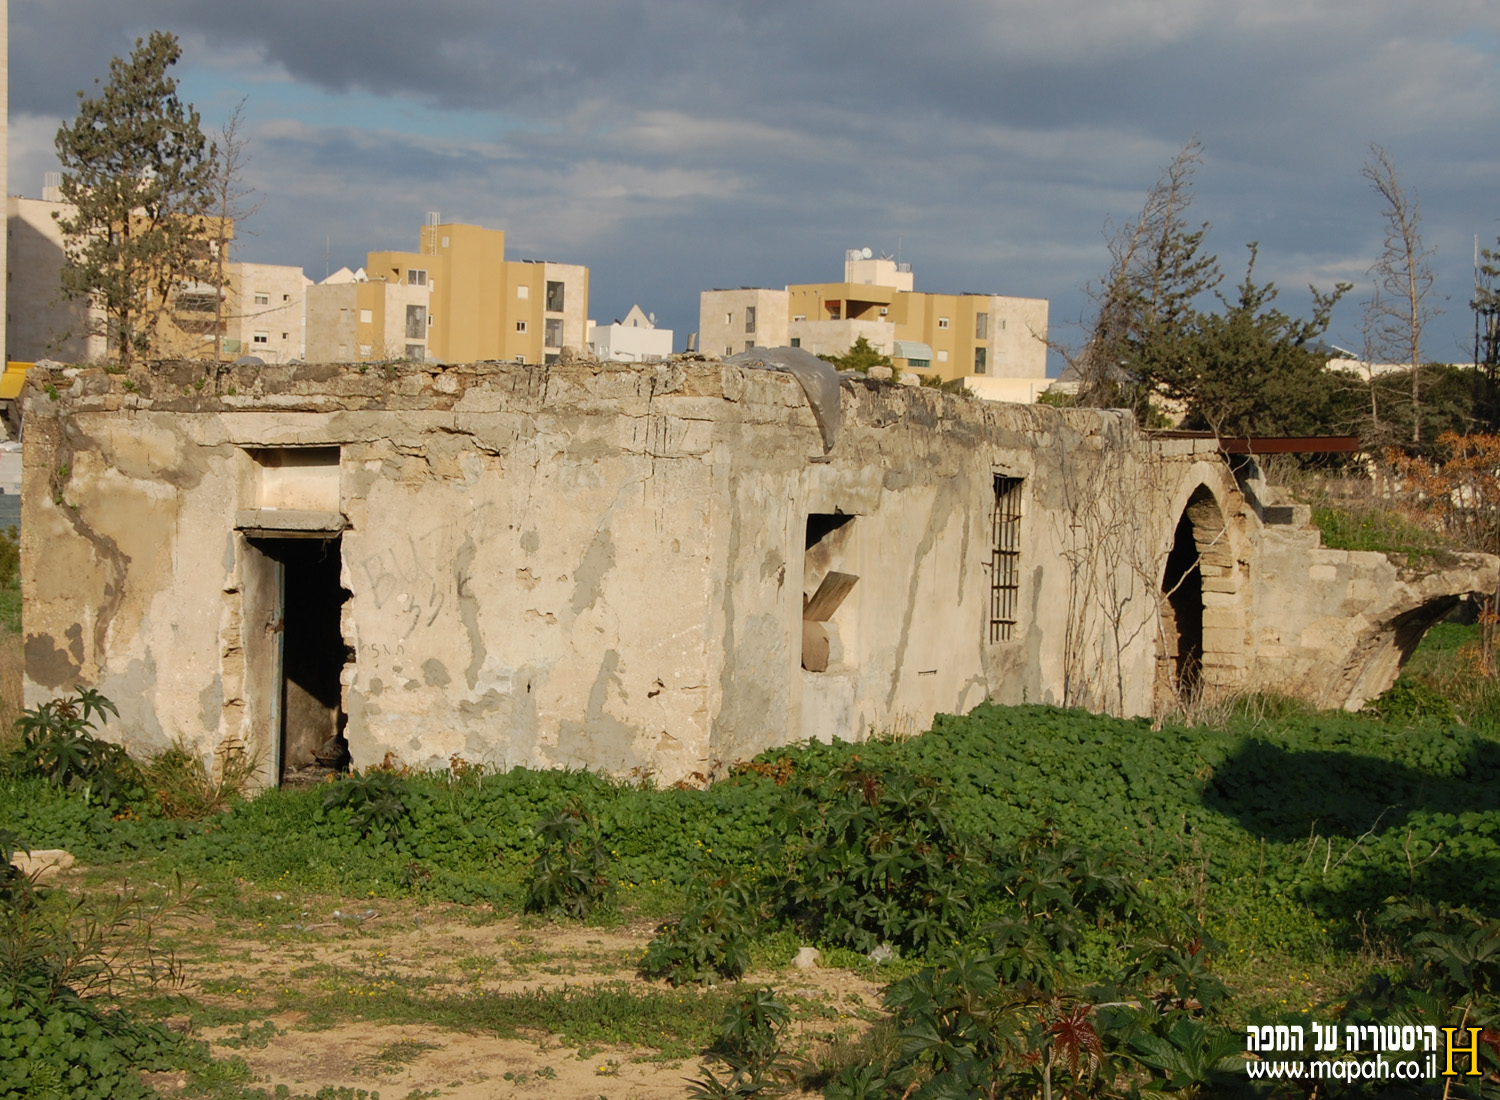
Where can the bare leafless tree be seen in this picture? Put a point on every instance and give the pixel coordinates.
(1402, 304)
(231, 205)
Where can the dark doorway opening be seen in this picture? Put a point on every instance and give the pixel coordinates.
(1182, 584)
(308, 714)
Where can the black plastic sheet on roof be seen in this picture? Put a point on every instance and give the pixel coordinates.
(819, 381)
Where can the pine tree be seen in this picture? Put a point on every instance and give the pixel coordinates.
(1250, 369)
(137, 170)
(1158, 269)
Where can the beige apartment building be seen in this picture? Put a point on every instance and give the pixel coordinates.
(732, 321)
(265, 312)
(996, 344)
(482, 306)
(41, 323)
(45, 324)
(352, 318)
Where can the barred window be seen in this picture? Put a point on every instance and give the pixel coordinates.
(1005, 558)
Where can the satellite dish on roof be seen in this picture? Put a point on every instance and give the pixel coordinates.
(866, 253)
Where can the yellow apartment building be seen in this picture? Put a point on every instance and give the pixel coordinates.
(482, 306)
(996, 344)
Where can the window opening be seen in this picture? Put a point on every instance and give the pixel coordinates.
(825, 586)
(1005, 558)
(554, 297)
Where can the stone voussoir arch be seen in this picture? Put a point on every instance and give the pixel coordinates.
(1201, 588)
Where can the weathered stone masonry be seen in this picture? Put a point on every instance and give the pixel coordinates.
(607, 564)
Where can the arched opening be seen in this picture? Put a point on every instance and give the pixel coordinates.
(1202, 627)
(1182, 611)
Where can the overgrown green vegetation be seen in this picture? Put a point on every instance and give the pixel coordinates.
(1376, 529)
(1081, 905)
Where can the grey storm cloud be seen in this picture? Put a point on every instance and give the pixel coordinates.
(676, 144)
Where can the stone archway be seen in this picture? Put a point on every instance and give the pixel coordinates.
(1200, 645)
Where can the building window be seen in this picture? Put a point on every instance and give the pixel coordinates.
(749, 344)
(262, 299)
(942, 355)
(262, 338)
(520, 359)
(796, 341)
(415, 351)
(942, 322)
(416, 324)
(729, 318)
(729, 350)
(366, 317)
(520, 326)
(979, 360)
(416, 278)
(981, 326)
(919, 363)
(198, 303)
(800, 317)
(523, 292)
(1005, 558)
(554, 297)
(552, 333)
(364, 351)
(286, 297)
(749, 318)
(445, 242)
(285, 335)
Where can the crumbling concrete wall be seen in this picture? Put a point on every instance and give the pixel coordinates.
(606, 565)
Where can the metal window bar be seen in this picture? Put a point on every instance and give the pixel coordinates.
(1005, 559)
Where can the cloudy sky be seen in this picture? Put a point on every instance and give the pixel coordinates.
(675, 145)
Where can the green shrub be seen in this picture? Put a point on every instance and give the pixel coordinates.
(568, 876)
(876, 859)
(53, 1040)
(58, 743)
(711, 940)
(376, 803)
(1410, 701)
(749, 1043)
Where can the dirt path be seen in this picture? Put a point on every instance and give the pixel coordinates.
(338, 998)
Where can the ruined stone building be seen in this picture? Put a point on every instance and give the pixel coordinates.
(664, 566)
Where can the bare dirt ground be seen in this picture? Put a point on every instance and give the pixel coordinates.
(334, 997)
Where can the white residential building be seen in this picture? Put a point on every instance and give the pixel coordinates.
(633, 340)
